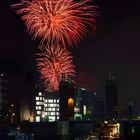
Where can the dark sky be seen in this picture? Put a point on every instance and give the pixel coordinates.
(115, 48)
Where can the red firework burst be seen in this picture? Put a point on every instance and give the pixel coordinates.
(52, 63)
(57, 21)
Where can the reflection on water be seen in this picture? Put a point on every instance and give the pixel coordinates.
(85, 138)
(81, 138)
(66, 138)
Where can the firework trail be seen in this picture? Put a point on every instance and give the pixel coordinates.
(52, 63)
(57, 21)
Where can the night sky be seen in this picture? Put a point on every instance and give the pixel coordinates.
(112, 46)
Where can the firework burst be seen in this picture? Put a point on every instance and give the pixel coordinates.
(52, 63)
(57, 21)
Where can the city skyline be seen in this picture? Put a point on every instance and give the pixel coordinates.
(114, 47)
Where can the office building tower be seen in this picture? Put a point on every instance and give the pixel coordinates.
(111, 96)
(66, 94)
(85, 104)
(3, 97)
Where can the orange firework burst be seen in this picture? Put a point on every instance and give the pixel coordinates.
(52, 63)
(57, 21)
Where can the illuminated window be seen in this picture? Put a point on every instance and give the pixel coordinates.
(46, 113)
(70, 102)
(50, 101)
(40, 98)
(76, 109)
(57, 117)
(57, 101)
(38, 112)
(37, 103)
(46, 100)
(49, 109)
(37, 98)
(51, 118)
(57, 113)
(52, 105)
(38, 107)
(53, 109)
(85, 109)
(54, 101)
(40, 103)
(45, 105)
(52, 113)
(40, 93)
(37, 118)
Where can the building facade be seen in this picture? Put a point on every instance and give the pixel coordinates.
(69, 103)
(47, 107)
(85, 104)
(111, 96)
(3, 98)
(57, 105)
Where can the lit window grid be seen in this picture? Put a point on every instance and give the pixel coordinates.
(48, 109)
(39, 106)
(51, 109)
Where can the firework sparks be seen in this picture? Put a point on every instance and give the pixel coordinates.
(57, 21)
(52, 63)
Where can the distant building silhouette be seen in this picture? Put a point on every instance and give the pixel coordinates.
(27, 102)
(86, 100)
(66, 94)
(111, 96)
(3, 98)
(99, 109)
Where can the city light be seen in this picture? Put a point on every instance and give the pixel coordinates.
(70, 102)
(47, 109)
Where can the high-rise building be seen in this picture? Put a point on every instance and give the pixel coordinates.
(39, 106)
(85, 104)
(66, 95)
(3, 97)
(111, 96)
(99, 109)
